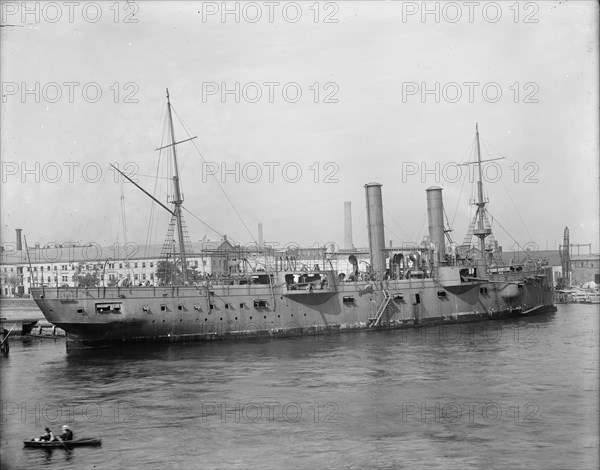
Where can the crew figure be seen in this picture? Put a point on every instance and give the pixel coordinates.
(47, 436)
(67, 434)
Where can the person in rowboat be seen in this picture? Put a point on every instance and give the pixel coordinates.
(47, 436)
(67, 434)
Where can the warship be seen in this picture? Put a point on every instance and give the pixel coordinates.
(431, 283)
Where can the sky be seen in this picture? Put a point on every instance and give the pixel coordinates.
(296, 106)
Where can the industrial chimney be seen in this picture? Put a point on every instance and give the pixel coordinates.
(19, 243)
(376, 233)
(566, 258)
(435, 214)
(347, 225)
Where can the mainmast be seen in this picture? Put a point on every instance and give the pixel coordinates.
(480, 232)
(178, 197)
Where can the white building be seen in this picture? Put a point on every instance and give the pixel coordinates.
(58, 265)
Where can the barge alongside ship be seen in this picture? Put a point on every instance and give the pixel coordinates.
(404, 287)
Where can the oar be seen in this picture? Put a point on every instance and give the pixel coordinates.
(64, 445)
(7, 334)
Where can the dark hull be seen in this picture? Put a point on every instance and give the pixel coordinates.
(237, 313)
(63, 444)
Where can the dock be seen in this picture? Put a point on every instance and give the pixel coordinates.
(30, 327)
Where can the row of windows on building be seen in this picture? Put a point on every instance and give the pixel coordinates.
(90, 267)
(63, 267)
(72, 267)
(112, 277)
(127, 265)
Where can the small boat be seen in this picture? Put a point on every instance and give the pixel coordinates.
(64, 444)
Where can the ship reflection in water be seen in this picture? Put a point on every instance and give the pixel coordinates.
(506, 394)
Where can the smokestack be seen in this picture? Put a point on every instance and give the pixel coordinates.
(19, 243)
(347, 225)
(376, 233)
(260, 235)
(435, 214)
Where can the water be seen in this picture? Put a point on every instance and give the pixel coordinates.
(520, 394)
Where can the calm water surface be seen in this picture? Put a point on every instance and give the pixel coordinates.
(519, 394)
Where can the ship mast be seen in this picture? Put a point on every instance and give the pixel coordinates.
(178, 197)
(480, 232)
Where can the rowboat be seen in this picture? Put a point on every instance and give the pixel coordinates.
(64, 444)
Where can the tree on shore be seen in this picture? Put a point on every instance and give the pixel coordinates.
(170, 274)
(85, 277)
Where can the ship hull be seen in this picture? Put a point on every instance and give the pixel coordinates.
(105, 317)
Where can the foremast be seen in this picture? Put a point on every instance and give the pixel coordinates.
(481, 231)
(178, 196)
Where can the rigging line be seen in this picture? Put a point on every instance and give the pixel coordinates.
(516, 209)
(469, 150)
(154, 177)
(357, 224)
(119, 221)
(162, 126)
(392, 217)
(487, 143)
(392, 232)
(449, 229)
(150, 233)
(123, 216)
(195, 216)
(506, 231)
(420, 230)
(214, 177)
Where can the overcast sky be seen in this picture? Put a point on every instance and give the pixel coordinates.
(527, 73)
